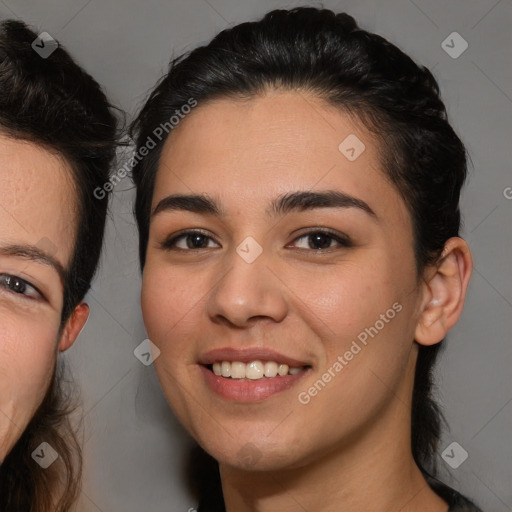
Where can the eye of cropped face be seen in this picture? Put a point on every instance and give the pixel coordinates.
(18, 286)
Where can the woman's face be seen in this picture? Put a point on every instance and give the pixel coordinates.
(36, 241)
(275, 241)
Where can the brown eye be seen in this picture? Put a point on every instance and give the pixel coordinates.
(18, 286)
(196, 241)
(322, 240)
(190, 240)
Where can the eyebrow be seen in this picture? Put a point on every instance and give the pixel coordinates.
(301, 201)
(34, 253)
(189, 203)
(294, 201)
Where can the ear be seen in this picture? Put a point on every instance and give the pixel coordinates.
(444, 291)
(73, 326)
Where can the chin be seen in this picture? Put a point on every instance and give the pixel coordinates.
(255, 455)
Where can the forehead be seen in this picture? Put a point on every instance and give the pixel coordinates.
(36, 199)
(246, 150)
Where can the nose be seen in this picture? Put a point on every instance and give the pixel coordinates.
(247, 292)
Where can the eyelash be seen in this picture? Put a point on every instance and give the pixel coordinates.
(343, 240)
(5, 282)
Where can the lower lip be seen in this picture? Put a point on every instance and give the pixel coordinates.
(249, 391)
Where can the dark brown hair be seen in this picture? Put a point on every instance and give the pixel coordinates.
(56, 104)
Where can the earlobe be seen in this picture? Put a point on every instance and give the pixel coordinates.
(74, 325)
(444, 292)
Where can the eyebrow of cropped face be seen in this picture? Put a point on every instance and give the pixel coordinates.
(34, 253)
(294, 201)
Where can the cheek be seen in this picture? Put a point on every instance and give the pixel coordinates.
(27, 362)
(27, 348)
(156, 299)
(361, 319)
(169, 302)
(168, 307)
(342, 302)
(367, 342)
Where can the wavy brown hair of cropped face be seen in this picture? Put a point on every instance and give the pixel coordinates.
(54, 103)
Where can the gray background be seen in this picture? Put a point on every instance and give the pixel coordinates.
(134, 447)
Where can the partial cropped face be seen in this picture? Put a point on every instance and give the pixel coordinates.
(280, 283)
(36, 241)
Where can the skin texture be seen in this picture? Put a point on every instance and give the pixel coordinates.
(350, 444)
(36, 214)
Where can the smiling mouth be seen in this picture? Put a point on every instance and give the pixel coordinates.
(256, 370)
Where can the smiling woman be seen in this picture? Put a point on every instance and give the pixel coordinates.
(299, 237)
(56, 144)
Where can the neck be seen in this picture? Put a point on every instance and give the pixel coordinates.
(379, 483)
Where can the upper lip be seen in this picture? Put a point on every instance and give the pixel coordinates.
(246, 355)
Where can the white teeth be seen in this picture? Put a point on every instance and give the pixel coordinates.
(270, 369)
(237, 370)
(254, 370)
(225, 369)
(283, 370)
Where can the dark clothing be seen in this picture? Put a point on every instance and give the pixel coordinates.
(459, 503)
(455, 500)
